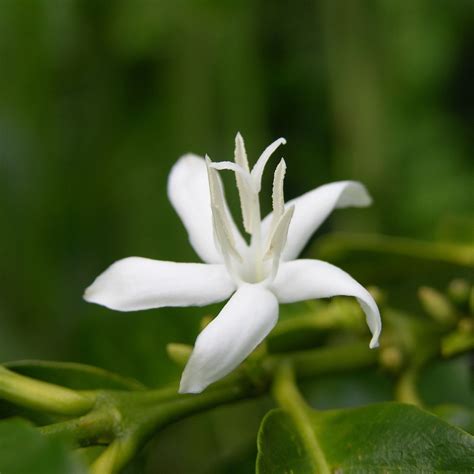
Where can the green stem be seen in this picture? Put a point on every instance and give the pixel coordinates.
(150, 418)
(97, 426)
(43, 396)
(340, 313)
(405, 389)
(338, 244)
(289, 398)
(326, 359)
(114, 457)
(140, 419)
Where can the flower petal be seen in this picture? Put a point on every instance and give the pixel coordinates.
(137, 283)
(188, 191)
(308, 279)
(312, 208)
(228, 339)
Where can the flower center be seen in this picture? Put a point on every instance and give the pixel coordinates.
(257, 261)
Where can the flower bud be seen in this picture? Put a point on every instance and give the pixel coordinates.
(437, 305)
(179, 353)
(459, 290)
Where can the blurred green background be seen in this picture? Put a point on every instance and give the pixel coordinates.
(99, 98)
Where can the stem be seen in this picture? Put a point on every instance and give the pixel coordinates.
(114, 457)
(158, 395)
(43, 396)
(289, 398)
(326, 359)
(141, 419)
(151, 418)
(405, 390)
(86, 430)
(340, 313)
(338, 244)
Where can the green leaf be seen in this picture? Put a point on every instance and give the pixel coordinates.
(386, 437)
(24, 450)
(73, 375)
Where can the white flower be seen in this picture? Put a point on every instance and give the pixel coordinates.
(257, 275)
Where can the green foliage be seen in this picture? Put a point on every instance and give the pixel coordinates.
(387, 437)
(23, 450)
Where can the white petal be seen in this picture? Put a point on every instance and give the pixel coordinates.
(308, 279)
(137, 283)
(312, 208)
(241, 325)
(188, 191)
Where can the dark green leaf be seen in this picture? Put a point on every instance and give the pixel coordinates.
(23, 450)
(387, 437)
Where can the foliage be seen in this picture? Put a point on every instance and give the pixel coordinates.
(108, 420)
(23, 449)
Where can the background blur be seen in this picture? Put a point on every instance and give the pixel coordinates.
(98, 99)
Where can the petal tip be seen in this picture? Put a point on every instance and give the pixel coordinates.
(374, 343)
(187, 158)
(363, 198)
(90, 294)
(186, 387)
(87, 295)
(352, 194)
(368, 199)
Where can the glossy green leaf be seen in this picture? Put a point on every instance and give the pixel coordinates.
(382, 438)
(23, 450)
(73, 375)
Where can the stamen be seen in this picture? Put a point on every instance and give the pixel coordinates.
(252, 266)
(231, 166)
(222, 229)
(224, 237)
(247, 193)
(278, 239)
(243, 184)
(240, 155)
(278, 199)
(257, 170)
